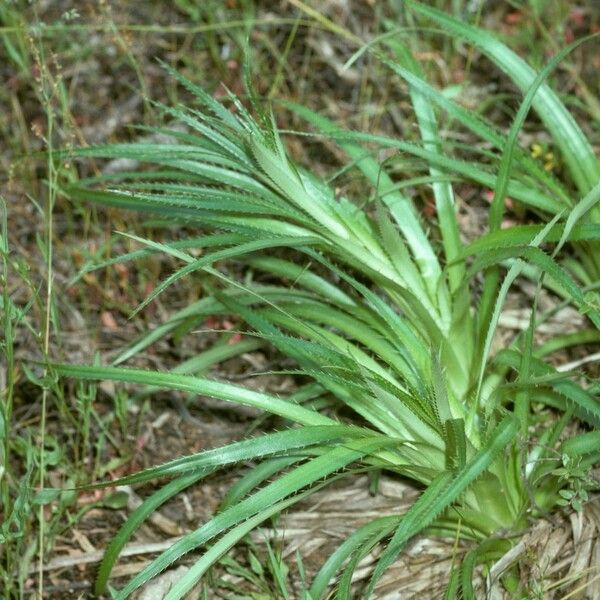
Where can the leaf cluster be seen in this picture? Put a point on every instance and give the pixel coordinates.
(377, 318)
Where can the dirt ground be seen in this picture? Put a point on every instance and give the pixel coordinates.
(93, 66)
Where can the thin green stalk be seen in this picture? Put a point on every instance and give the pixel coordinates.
(6, 406)
(46, 94)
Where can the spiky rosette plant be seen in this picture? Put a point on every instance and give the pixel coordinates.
(377, 318)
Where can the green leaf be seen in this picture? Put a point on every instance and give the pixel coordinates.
(292, 440)
(444, 196)
(46, 496)
(584, 443)
(116, 500)
(200, 386)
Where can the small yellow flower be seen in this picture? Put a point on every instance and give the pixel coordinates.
(549, 163)
(536, 150)
(546, 157)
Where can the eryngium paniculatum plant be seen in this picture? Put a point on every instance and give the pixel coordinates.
(389, 337)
